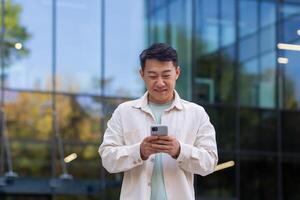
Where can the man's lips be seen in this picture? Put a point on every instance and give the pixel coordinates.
(164, 90)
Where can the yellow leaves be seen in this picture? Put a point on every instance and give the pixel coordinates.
(30, 116)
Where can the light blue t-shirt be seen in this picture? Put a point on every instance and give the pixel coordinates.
(158, 190)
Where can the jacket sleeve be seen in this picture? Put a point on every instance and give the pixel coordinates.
(201, 157)
(116, 156)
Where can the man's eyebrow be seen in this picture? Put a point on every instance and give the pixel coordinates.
(163, 72)
(166, 71)
(151, 72)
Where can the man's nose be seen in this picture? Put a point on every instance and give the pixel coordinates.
(160, 82)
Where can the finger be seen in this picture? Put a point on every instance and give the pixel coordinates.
(150, 138)
(162, 142)
(166, 138)
(160, 147)
(151, 149)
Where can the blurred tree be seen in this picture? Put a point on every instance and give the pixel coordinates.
(29, 122)
(14, 34)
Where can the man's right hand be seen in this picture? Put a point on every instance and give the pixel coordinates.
(145, 149)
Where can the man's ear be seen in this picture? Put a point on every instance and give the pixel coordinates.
(141, 73)
(177, 72)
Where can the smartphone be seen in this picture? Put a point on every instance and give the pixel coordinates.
(159, 130)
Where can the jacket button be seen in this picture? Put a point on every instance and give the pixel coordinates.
(152, 160)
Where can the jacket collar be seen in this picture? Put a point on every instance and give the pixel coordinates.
(142, 103)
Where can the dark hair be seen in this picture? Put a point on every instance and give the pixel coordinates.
(159, 51)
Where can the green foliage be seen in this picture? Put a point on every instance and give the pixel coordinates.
(14, 33)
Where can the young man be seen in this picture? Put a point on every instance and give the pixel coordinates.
(159, 167)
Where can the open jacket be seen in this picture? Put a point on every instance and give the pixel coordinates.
(130, 124)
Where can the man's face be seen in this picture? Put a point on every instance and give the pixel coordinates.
(160, 79)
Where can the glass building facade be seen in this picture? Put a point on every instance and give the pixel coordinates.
(229, 55)
(65, 66)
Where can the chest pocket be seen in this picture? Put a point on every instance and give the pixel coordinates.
(132, 136)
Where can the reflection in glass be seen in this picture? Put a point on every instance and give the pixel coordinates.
(248, 48)
(30, 25)
(78, 46)
(267, 39)
(291, 24)
(291, 80)
(31, 158)
(249, 80)
(180, 36)
(291, 180)
(79, 117)
(124, 40)
(267, 13)
(290, 131)
(258, 130)
(290, 8)
(207, 25)
(226, 74)
(220, 184)
(86, 165)
(28, 115)
(227, 22)
(223, 120)
(258, 177)
(267, 81)
(248, 12)
(28, 120)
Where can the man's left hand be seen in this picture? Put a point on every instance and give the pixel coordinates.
(167, 144)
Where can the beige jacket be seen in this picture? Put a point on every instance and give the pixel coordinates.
(130, 123)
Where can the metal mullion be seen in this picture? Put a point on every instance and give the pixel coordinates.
(53, 146)
(258, 32)
(278, 102)
(237, 104)
(2, 154)
(102, 87)
(193, 46)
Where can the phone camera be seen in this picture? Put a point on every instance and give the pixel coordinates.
(154, 129)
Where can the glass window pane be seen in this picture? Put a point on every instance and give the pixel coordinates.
(248, 17)
(290, 178)
(31, 158)
(223, 119)
(124, 43)
(267, 39)
(258, 130)
(79, 117)
(219, 185)
(29, 48)
(290, 131)
(290, 27)
(206, 78)
(291, 80)
(78, 46)
(180, 36)
(86, 165)
(248, 48)
(207, 26)
(258, 177)
(227, 22)
(226, 74)
(290, 8)
(29, 128)
(267, 81)
(267, 13)
(249, 78)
